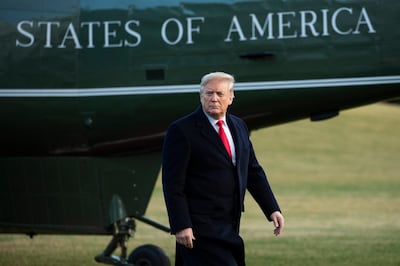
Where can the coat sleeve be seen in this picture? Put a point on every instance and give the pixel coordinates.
(176, 154)
(259, 187)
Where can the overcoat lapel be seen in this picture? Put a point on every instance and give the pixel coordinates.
(237, 139)
(235, 135)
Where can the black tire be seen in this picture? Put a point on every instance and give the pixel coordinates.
(149, 255)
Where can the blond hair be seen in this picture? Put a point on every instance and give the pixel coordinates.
(217, 76)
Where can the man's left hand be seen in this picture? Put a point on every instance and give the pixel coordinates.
(279, 222)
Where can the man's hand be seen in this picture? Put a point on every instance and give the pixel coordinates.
(185, 237)
(279, 222)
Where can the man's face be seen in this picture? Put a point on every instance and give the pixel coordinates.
(216, 97)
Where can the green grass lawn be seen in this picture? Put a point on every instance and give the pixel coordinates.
(338, 184)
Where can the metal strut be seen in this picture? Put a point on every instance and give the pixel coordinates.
(123, 230)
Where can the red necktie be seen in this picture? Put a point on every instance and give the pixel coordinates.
(224, 139)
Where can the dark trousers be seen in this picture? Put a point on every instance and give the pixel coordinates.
(212, 252)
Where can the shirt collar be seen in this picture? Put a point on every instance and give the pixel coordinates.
(214, 121)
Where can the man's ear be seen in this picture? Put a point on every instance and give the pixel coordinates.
(231, 97)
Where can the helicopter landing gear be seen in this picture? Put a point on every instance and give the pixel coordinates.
(145, 255)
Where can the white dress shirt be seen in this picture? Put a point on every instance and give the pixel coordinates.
(227, 133)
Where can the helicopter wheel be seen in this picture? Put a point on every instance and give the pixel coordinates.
(149, 255)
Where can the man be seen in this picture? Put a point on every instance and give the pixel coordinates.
(206, 170)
